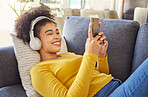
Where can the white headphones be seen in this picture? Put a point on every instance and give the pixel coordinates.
(35, 42)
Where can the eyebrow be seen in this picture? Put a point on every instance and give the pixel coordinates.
(48, 30)
(51, 30)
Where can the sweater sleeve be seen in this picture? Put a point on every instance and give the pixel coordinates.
(48, 85)
(102, 65)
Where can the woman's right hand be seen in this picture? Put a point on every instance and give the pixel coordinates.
(93, 45)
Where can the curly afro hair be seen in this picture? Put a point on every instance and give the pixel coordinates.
(23, 23)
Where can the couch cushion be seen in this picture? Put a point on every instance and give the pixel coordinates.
(9, 74)
(141, 48)
(121, 35)
(27, 58)
(13, 91)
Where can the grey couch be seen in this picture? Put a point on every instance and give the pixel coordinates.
(128, 48)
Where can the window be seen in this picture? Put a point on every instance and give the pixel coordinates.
(78, 4)
(6, 23)
(75, 4)
(8, 17)
(56, 7)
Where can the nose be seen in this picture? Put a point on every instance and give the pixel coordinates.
(57, 36)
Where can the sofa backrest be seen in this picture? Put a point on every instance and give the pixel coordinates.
(9, 74)
(121, 35)
(141, 48)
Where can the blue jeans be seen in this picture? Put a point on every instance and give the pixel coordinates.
(135, 86)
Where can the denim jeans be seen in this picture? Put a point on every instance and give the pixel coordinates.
(109, 88)
(135, 86)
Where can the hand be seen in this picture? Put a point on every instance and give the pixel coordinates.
(104, 47)
(103, 50)
(93, 45)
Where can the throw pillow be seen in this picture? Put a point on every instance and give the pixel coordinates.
(27, 58)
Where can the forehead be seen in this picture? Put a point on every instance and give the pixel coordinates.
(49, 25)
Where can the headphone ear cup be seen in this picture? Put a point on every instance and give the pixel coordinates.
(35, 43)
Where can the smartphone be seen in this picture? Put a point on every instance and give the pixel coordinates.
(95, 24)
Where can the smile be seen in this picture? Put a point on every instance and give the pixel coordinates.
(56, 43)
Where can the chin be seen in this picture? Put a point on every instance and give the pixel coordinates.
(58, 50)
(54, 49)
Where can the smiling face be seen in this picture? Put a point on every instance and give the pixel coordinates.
(50, 38)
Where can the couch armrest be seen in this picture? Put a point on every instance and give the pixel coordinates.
(9, 74)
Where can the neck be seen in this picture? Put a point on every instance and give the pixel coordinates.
(47, 55)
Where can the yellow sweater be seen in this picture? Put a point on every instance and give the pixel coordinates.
(70, 76)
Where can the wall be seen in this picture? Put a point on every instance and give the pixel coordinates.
(138, 3)
(102, 4)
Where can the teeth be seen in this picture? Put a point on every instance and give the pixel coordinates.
(56, 43)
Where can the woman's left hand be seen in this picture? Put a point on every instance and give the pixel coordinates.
(104, 47)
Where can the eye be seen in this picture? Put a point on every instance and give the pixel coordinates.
(49, 34)
(57, 33)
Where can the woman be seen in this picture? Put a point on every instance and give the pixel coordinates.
(68, 74)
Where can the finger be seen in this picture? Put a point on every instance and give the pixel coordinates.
(101, 33)
(97, 37)
(99, 42)
(103, 38)
(90, 32)
(99, 26)
(87, 39)
(105, 43)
